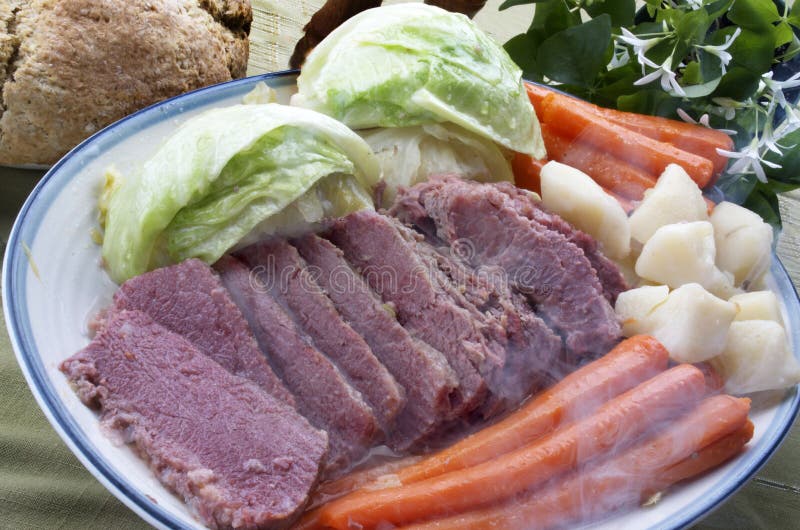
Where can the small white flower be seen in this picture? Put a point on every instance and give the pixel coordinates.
(682, 114)
(720, 50)
(728, 107)
(664, 73)
(777, 88)
(640, 46)
(768, 139)
(749, 160)
(792, 122)
(695, 4)
(620, 57)
(550, 82)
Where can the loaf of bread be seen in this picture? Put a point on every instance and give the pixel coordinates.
(70, 67)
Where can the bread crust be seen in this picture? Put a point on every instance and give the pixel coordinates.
(70, 67)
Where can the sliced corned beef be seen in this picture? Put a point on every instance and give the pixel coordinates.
(374, 245)
(609, 274)
(278, 263)
(322, 393)
(491, 329)
(423, 371)
(238, 456)
(552, 272)
(189, 299)
(532, 349)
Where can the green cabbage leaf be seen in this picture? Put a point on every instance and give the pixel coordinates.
(234, 174)
(414, 64)
(409, 155)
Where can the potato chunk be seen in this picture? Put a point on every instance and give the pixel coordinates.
(679, 253)
(580, 200)
(691, 322)
(758, 305)
(743, 241)
(675, 198)
(756, 357)
(635, 306)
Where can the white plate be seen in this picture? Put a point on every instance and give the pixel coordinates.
(53, 283)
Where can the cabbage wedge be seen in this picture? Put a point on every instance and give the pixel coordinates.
(232, 174)
(409, 155)
(414, 64)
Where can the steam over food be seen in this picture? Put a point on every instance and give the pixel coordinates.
(376, 333)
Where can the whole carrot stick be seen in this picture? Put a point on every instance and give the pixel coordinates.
(618, 423)
(631, 362)
(686, 136)
(696, 139)
(616, 175)
(713, 432)
(580, 393)
(564, 117)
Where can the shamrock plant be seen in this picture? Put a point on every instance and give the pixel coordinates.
(728, 64)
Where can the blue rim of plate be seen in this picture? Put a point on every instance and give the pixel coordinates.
(15, 270)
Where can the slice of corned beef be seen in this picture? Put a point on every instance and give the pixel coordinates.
(532, 349)
(528, 206)
(238, 456)
(372, 243)
(423, 371)
(189, 299)
(322, 393)
(552, 272)
(491, 329)
(277, 262)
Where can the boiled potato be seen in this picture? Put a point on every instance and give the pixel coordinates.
(757, 305)
(743, 242)
(674, 198)
(721, 284)
(691, 322)
(580, 200)
(627, 267)
(757, 357)
(635, 306)
(679, 253)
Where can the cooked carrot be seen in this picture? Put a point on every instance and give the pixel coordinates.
(703, 460)
(615, 175)
(713, 432)
(378, 476)
(564, 117)
(631, 362)
(696, 139)
(618, 423)
(526, 171)
(714, 381)
(627, 204)
(536, 94)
